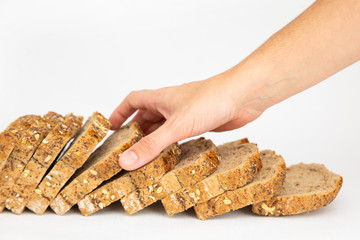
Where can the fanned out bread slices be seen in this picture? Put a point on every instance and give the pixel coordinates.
(39, 163)
(93, 131)
(9, 137)
(307, 187)
(266, 184)
(199, 159)
(29, 141)
(101, 165)
(239, 164)
(123, 184)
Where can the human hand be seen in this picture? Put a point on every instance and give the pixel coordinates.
(172, 114)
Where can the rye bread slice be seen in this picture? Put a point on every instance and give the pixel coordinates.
(93, 131)
(239, 164)
(199, 159)
(121, 185)
(266, 184)
(39, 163)
(10, 136)
(29, 141)
(307, 187)
(102, 165)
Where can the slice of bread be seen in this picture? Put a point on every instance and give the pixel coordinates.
(122, 185)
(266, 184)
(23, 151)
(199, 159)
(10, 136)
(42, 159)
(93, 131)
(307, 187)
(101, 166)
(239, 164)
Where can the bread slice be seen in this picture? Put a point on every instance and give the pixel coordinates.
(28, 143)
(266, 184)
(9, 136)
(101, 166)
(93, 131)
(239, 164)
(44, 156)
(199, 159)
(122, 185)
(307, 187)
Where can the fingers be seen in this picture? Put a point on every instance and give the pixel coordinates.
(134, 101)
(146, 119)
(148, 148)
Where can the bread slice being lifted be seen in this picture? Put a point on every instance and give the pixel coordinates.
(239, 164)
(101, 165)
(199, 159)
(40, 162)
(93, 131)
(307, 187)
(123, 184)
(266, 184)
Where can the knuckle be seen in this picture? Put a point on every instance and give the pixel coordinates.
(148, 144)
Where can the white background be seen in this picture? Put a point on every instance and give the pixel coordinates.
(83, 56)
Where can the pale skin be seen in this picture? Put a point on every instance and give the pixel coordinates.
(323, 40)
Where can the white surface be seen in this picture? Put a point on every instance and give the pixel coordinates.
(82, 56)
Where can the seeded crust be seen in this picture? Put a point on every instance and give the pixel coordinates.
(44, 156)
(93, 131)
(307, 187)
(199, 159)
(9, 137)
(29, 141)
(102, 165)
(266, 184)
(122, 185)
(240, 162)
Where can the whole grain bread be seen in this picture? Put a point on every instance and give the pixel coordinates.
(42, 159)
(266, 184)
(307, 187)
(9, 137)
(102, 165)
(28, 143)
(239, 164)
(199, 159)
(93, 131)
(121, 185)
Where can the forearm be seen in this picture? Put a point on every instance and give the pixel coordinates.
(320, 42)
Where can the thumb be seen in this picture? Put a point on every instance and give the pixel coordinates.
(148, 148)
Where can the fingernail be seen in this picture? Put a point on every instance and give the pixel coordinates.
(129, 158)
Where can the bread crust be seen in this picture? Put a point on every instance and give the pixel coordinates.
(172, 181)
(9, 137)
(215, 184)
(119, 187)
(93, 131)
(29, 141)
(94, 175)
(243, 196)
(297, 203)
(42, 159)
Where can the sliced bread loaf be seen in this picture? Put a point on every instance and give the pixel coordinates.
(307, 187)
(9, 136)
(101, 166)
(122, 185)
(240, 162)
(29, 141)
(199, 159)
(42, 159)
(266, 184)
(93, 131)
